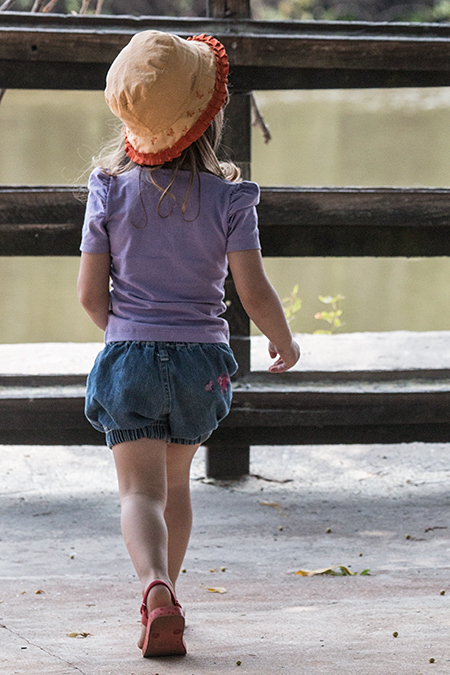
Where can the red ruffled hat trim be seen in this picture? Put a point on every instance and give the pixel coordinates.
(199, 127)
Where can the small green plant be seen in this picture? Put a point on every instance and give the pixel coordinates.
(292, 304)
(332, 316)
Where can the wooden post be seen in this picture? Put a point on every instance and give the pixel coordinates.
(229, 9)
(221, 461)
(227, 461)
(236, 143)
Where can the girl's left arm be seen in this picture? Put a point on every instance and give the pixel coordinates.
(93, 286)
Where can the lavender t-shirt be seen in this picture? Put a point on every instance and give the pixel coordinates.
(168, 273)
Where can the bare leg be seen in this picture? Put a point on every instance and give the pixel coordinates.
(142, 476)
(156, 511)
(178, 512)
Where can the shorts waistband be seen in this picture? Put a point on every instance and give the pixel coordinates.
(167, 345)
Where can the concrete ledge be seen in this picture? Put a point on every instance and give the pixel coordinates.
(348, 352)
(48, 358)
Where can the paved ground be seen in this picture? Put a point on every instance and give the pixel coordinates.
(64, 569)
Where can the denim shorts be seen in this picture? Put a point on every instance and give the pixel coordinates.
(173, 391)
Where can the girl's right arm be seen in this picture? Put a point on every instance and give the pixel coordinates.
(263, 306)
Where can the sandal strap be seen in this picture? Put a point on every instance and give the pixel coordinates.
(157, 582)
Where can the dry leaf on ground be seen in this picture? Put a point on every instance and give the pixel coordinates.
(82, 635)
(218, 589)
(334, 570)
(274, 505)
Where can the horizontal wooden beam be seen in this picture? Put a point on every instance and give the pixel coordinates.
(223, 439)
(41, 220)
(354, 221)
(293, 221)
(55, 418)
(298, 415)
(74, 52)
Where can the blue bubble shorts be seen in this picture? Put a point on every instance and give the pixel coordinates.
(173, 391)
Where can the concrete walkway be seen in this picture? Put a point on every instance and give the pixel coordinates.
(64, 569)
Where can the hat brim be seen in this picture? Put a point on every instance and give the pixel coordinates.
(214, 106)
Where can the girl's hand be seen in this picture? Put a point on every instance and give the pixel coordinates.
(287, 357)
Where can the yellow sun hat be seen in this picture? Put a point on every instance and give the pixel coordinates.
(166, 91)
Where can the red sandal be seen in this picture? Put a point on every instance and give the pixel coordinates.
(164, 627)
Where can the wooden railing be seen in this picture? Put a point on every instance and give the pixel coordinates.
(303, 222)
(74, 52)
(69, 52)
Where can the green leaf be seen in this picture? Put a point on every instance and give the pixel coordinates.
(326, 299)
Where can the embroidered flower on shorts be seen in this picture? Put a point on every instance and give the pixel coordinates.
(223, 381)
(209, 386)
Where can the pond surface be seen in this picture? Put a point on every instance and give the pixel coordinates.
(323, 138)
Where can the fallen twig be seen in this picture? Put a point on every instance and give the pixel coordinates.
(38, 5)
(271, 480)
(258, 120)
(49, 6)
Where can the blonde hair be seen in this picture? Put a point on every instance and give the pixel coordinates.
(200, 156)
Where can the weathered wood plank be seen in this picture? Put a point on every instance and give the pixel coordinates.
(347, 241)
(354, 222)
(235, 25)
(92, 76)
(293, 221)
(336, 409)
(387, 207)
(223, 438)
(295, 416)
(40, 220)
(223, 441)
(30, 416)
(74, 52)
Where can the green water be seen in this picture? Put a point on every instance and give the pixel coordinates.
(365, 138)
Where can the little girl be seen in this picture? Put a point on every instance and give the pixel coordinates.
(164, 220)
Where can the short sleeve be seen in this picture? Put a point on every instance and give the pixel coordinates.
(242, 218)
(94, 238)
